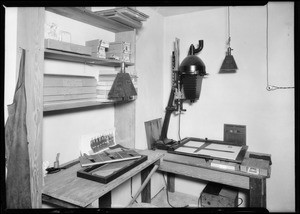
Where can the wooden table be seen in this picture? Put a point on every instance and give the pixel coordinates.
(65, 189)
(193, 167)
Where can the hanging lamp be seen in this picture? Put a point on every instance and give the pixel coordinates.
(228, 65)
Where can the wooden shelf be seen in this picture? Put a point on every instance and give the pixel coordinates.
(62, 105)
(65, 56)
(83, 15)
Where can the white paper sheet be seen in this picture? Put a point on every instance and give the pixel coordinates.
(194, 143)
(185, 149)
(221, 151)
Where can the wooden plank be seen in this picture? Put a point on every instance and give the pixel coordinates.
(68, 81)
(66, 186)
(53, 201)
(30, 36)
(206, 174)
(201, 162)
(59, 55)
(67, 47)
(257, 193)
(68, 97)
(125, 124)
(146, 193)
(171, 182)
(88, 17)
(153, 129)
(69, 90)
(105, 201)
(125, 113)
(72, 104)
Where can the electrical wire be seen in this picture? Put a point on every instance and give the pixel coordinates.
(168, 194)
(241, 202)
(179, 122)
(131, 190)
(199, 200)
(270, 87)
(229, 37)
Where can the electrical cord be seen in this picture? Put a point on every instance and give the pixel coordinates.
(168, 194)
(270, 87)
(179, 116)
(131, 189)
(241, 202)
(199, 200)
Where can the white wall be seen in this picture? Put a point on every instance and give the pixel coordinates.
(11, 72)
(62, 132)
(242, 98)
(149, 66)
(239, 98)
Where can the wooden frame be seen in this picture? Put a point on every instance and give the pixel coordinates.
(239, 158)
(107, 172)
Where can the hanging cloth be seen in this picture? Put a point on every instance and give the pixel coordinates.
(18, 191)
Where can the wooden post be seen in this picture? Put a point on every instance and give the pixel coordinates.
(257, 192)
(30, 36)
(125, 121)
(105, 200)
(146, 193)
(171, 182)
(143, 185)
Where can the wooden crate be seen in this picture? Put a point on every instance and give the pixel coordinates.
(67, 47)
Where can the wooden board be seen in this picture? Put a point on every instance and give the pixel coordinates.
(153, 130)
(115, 155)
(87, 16)
(67, 47)
(208, 174)
(71, 57)
(69, 90)
(110, 171)
(65, 186)
(68, 97)
(68, 81)
(30, 36)
(235, 133)
(119, 17)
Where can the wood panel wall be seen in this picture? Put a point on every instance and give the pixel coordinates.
(125, 113)
(30, 36)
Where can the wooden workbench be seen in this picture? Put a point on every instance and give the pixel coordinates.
(193, 167)
(65, 189)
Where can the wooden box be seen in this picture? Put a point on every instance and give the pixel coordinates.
(107, 172)
(67, 47)
(121, 47)
(256, 167)
(118, 56)
(235, 133)
(219, 195)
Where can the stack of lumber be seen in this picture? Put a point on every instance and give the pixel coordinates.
(64, 88)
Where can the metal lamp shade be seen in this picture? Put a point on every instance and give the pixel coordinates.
(122, 87)
(228, 65)
(191, 65)
(192, 86)
(192, 71)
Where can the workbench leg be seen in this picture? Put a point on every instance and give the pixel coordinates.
(146, 192)
(105, 201)
(257, 195)
(171, 182)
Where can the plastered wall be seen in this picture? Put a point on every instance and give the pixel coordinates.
(239, 98)
(242, 98)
